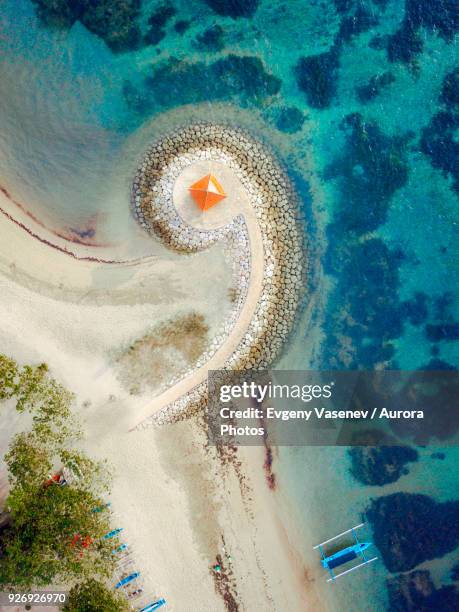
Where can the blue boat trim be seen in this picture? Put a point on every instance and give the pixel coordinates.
(112, 534)
(127, 580)
(153, 606)
(119, 549)
(343, 556)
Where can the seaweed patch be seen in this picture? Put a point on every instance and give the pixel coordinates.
(438, 139)
(290, 119)
(233, 77)
(416, 592)
(157, 22)
(378, 466)
(366, 314)
(440, 17)
(366, 93)
(115, 21)
(211, 39)
(317, 77)
(403, 524)
(234, 8)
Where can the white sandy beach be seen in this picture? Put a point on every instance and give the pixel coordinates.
(179, 505)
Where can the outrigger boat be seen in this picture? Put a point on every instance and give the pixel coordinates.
(112, 534)
(120, 549)
(126, 580)
(349, 553)
(153, 606)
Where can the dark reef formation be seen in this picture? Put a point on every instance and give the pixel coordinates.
(438, 142)
(360, 334)
(446, 331)
(410, 529)
(450, 89)
(317, 77)
(115, 21)
(234, 8)
(372, 89)
(358, 21)
(404, 45)
(181, 26)
(415, 310)
(438, 364)
(233, 77)
(440, 16)
(378, 42)
(415, 592)
(290, 119)
(211, 39)
(157, 21)
(440, 325)
(434, 392)
(370, 170)
(380, 465)
(438, 139)
(344, 6)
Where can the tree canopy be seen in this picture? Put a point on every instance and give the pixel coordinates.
(53, 534)
(92, 596)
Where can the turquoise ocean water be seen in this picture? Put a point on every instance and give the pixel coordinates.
(360, 101)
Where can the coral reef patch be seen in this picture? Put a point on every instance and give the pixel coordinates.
(233, 8)
(211, 39)
(412, 528)
(377, 466)
(366, 93)
(441, 17)
(234, 76)
(115, 21)
(438, 139)
(317, 75)
(290, 119)
(370, 170)
(416, 592)
(157, 22)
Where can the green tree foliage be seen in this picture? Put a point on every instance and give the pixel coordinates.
(29, 462)
(92, 596)
(45, 542)
(53, 535)
(8, 377)
(36, 392)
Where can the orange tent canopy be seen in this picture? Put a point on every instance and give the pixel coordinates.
(207, 192)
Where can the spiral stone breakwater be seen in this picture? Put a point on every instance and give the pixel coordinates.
(259, 228)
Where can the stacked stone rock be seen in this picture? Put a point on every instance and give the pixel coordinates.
(275, 204)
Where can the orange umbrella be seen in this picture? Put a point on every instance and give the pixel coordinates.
(207, 192)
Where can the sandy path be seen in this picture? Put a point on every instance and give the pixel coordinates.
(216, 217)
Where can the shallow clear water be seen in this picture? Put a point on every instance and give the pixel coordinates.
(75, 118)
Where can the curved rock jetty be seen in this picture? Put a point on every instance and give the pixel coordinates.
(262, 234)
